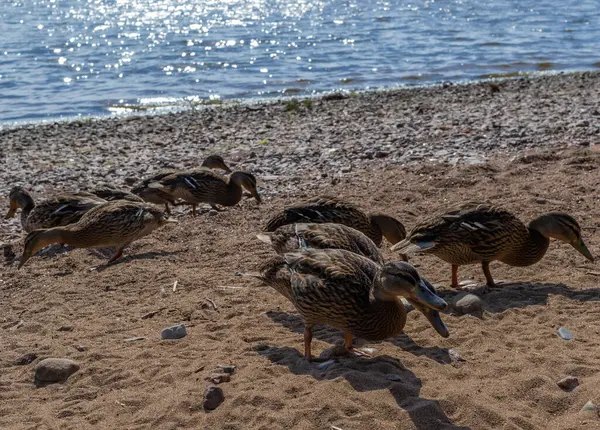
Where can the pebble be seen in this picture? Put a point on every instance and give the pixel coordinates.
(565, 333)
(217, 378)
(25, 359)
(213, 397)
(467, 303)
(325, 365)
(226, 368)
(80, 348)
(175, 332)
(455, 356)
(213, 212)
(52, 370)
(589, 406)
(569, 383)
(392, 377)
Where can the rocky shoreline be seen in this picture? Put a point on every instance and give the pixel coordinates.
(290, 142)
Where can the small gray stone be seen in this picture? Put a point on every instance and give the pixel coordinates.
(467, 303)
(213, 212)
(54, 370)
(392, 377)
(217, 378)
(213, 397)
(569, 383)
(565, 333)
(226, 368)
(175, 332)
(325, 365)
(25, 359)
(589, 406)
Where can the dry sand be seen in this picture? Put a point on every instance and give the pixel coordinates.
(58, 307)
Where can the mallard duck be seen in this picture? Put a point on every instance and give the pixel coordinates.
(333, 210)
(204, 186)
(289, 238)
(116, 223)
(156, 196)
(349, 292)
(61, 209)
(109, 194)
(481, 233)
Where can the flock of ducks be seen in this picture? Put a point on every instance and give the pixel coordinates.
(328, 262)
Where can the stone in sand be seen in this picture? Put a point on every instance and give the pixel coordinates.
(25, 359)
(569, 383)
(218, 378)
(565, 333)
(213, 397)
(52, 370)
(226, 368)
(175, 332)
(467, 303)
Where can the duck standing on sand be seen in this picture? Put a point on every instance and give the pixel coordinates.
(61, 209)
(327, 209)
(156, 196)
(481, 233)
(290, 238)
(116, 223)
(348, 292)
(204, 186)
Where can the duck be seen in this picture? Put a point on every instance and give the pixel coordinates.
(116, 223)
(482, 233)
(349, 292)
(205, 186)
(328, 209)
(61, 209)
(156, 196)
(290, 238)
(109, 193)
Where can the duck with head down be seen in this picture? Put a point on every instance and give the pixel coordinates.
(348, 292)
(204, 186)
(481, 233)
(61, 209)
(290, 238)
(116, 223)
(156, 196)
(327, 209)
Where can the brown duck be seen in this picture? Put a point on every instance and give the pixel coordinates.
(349, 292)
(327, 209)
(205, 186)
(481, 233)
(61, 209)
(116, 223)
(290, 238)
(156, 196)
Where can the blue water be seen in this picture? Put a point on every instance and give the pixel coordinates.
(64, 58)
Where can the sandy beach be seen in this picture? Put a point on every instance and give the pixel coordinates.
(532, 147)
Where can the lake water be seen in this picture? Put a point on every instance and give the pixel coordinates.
(66, 58)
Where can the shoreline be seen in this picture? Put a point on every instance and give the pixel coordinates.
(306, 142)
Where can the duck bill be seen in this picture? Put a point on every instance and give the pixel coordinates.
(26, 255)
(433, 317)
(256, 196)
(580, 246)
(426, 295)
(11, 212)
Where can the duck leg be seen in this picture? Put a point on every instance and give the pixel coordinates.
(167, 210)
(117, 255)
(455, 277)
(307, 341)
(350, 348)
(488, 276)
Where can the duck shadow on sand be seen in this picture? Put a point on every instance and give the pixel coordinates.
(330, 335)
(379, 373)
(510, 295)
(141, 256)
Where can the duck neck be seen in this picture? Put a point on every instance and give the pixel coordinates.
(27, 204)
(233, 195)
(375, 233)
(65, 235)
(531, 250)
